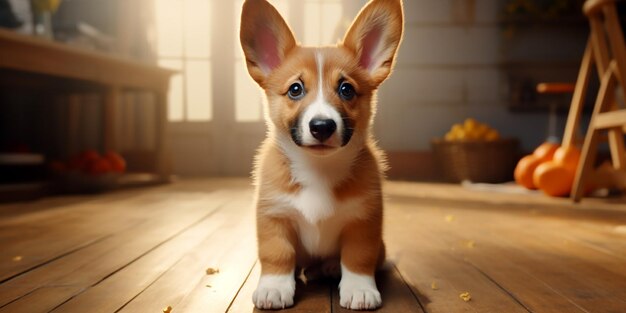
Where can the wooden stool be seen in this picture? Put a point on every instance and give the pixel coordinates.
(606, 50)
(554, 89)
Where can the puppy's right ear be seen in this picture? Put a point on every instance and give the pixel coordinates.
(265, 38)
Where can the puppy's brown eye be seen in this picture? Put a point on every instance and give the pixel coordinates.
(346, 91)
(296, 91)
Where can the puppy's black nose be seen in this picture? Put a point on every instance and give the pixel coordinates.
(322, 129)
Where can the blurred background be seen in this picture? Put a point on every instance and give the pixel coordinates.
(460, 59)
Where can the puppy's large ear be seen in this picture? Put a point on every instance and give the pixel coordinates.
(375, 35)
(265, 38)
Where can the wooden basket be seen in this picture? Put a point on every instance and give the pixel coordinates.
(476, 161)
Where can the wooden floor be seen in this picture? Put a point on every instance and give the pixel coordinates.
(145, 249)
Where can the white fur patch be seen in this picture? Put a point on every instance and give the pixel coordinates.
(357, 291)
(317, 215)
(275, 291)
(320, 108)
(322, 237)
(318, 218)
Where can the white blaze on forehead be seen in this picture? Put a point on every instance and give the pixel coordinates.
(320, 108)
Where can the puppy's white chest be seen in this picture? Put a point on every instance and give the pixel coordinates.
(321, 220)
(321, 239)
(314, 203)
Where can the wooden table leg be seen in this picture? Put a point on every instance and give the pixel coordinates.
(163, 153)
(112, 98)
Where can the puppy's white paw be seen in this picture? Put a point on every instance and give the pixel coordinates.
(357, 291)
(274, 291)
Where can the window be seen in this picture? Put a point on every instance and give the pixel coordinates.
(183, 42)
(321, 20)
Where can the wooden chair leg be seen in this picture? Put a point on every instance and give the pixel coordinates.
(578, 98)
(616, 144)
(590, 147)
(585, 166)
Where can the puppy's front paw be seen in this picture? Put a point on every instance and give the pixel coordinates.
(274, 292)
(358, 292)
(360, 298)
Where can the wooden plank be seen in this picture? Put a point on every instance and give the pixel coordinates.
(30, 54)
(426, 266)
(423, 260)
(605, 271)
(37, 237)
(112, 293)
(397, 296)
(418, 241)
(610, 119)
(588, 285)
(185, 286)
(604, 239)
(94, 263)
(39, 306)
(314, 297)
(540, 270)
(514, 198)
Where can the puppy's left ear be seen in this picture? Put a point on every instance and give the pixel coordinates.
(375, 35)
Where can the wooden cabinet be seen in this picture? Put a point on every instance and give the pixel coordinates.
(37, 63)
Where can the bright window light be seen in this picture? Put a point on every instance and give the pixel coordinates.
(183, 31)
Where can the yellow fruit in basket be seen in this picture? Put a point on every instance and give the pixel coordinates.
(462, 135)
(470, 124)
(470, 129)
(471, 134)
(492, 135)
(481, 130)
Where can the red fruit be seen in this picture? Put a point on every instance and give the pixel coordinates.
(89, 155)
(82, 161)
(99, 166)
(77, 163)
(117, 162)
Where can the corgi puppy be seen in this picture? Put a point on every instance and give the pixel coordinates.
(318, 173)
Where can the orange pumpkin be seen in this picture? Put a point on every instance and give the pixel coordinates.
(525, 169)
(568, 156)
(545, 151)
(554, 179)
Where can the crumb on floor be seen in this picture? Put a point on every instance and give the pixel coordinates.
(465, 296)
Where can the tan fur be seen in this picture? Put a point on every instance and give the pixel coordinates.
(354, 174)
